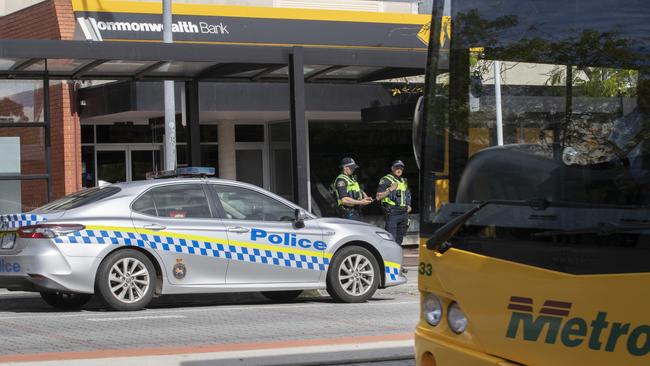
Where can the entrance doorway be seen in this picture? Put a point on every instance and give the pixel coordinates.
(126, 163)
(280, 157)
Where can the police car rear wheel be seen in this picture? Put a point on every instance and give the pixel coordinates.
(281, 296)
(126, 280)
(64, 300)
(353, 275)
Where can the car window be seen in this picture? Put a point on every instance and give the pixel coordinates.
(145, 205)
(246, 204)
(78, 199)
(175, 201)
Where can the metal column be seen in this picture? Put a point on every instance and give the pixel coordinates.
(299, 130)
(193, 123)
(48, 131)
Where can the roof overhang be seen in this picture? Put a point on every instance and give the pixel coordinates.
(61, 59)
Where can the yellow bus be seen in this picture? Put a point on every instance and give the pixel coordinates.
(534, 157)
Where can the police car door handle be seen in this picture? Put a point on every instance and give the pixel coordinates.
(155, 227)
(238, 229)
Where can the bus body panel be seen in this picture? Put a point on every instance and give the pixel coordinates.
(535, 316)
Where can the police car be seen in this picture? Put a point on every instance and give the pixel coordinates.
(189, 233)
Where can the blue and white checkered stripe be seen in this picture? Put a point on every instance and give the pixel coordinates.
(196, 247)
(392, 274)
(15, 221)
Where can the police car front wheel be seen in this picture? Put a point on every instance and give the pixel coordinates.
(126, 280)
(353, 275)
(64, 300)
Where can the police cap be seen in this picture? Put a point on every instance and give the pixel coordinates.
(348, 162)
(398, 163)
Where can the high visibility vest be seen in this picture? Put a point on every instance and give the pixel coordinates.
(400, 197)
(353, 189)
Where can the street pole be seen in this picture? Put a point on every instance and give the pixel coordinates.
(497, 94)
(170, 108)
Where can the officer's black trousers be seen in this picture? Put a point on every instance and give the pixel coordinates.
(397, 223)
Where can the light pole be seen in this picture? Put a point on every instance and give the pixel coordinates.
(170, 108)
(497, 95)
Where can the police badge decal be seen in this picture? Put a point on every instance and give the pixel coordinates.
(179, 269)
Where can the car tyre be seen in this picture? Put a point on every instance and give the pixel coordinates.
(65, 300)
(126, 280)
(281, 296)
(353, 275)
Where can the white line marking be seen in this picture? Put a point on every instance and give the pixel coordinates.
(259, 307)
(136, 318)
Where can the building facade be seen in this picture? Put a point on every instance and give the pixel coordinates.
(113, 130)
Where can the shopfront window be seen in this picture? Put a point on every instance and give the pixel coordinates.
(23, 157)
(21, 101)
(126, 151)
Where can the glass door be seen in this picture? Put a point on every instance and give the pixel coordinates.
(144, 161)
(111, 165)
(127, 163)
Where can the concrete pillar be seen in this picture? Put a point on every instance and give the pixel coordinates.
(227, 159)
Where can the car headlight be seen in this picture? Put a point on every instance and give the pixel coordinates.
(456, 319)
(385, 235)
(432, 309)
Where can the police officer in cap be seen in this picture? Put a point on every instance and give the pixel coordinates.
(349, 196)
(395, 197)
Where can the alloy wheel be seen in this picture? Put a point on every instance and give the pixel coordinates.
(128, 280)
(356, 275)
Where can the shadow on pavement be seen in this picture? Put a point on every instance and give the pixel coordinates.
(32, 302)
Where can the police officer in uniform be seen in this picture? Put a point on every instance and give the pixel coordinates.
(349, 196)
(395, 197)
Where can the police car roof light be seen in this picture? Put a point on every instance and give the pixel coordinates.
(182, 172)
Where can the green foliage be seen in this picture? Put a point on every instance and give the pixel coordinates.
(598, 82)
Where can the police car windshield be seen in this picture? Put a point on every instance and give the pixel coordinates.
(78, 199)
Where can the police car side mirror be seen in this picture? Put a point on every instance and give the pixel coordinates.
(299, 222)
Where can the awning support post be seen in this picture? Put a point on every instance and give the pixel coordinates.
(193, 122)
(299, 129)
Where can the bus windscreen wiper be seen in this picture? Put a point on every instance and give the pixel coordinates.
(602, 229)
(439, 239)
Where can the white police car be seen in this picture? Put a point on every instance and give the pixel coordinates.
(129, 242)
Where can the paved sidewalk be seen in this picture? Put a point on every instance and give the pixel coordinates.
(410, 255)
(369, 349)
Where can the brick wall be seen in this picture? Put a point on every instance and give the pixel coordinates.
(66, 141)
(51, 19)
(35, 22)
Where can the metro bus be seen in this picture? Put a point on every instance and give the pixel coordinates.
(535, 184)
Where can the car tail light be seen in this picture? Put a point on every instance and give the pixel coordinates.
(47, 231)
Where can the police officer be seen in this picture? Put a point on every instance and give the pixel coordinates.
(349, 196)
(395, 197)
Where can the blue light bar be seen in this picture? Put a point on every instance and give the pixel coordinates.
(193, 171)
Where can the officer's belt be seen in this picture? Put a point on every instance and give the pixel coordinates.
(397, 209)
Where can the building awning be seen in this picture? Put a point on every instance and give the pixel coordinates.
(61, 59)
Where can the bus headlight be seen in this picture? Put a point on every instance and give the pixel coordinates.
(456, 319)
(432, 309)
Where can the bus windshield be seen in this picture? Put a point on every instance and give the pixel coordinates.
(541, 101)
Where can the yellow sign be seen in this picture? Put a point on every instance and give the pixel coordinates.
(445, 31)
(425, 33)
